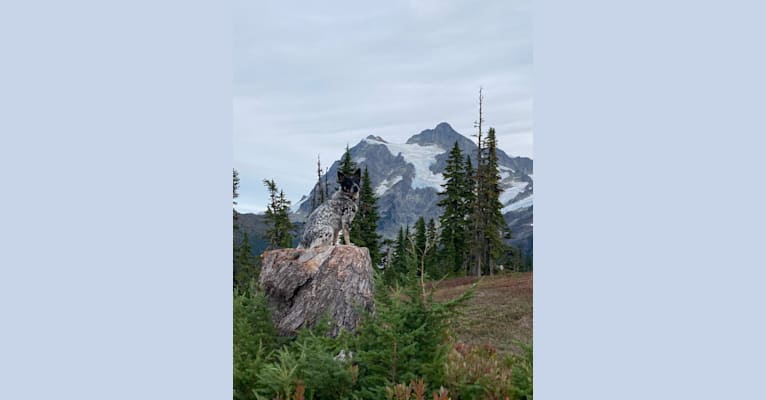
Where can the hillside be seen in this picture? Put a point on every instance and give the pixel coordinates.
(499, 313)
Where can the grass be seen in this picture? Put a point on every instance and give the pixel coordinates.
(499, 313)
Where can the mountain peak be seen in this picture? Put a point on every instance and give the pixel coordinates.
(376, 138)
(443, 135)
(443, 126)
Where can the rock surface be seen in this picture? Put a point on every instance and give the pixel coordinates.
(304, 285)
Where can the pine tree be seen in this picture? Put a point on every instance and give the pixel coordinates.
(318, 194)
(410, 258)
(478, 216)
(246, 266)
(420, 242)
(402, 265)
(420, 238)
(495, 226)
(432, 257)
(469, 202)
(236, 186)
(347, 165)
(279, 234)
(254, 338)
(236, 191)
(405, 339)
(453, 226)
(365, 224)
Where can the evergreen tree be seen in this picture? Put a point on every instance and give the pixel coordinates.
(409, 256)
(403, 262)
(433, 266)
(469, 198)
(279, 234)
(246, 266)
(495, 226)
(254, 338)
(469, 195)
(236, 186)
(421, 238)
(365, 224)
(347, 165)
(453, 200)
(318, 194)
(477, 242)
(487, 219)
(236, 192)
(431, 233)
(421, 243)
(406, 338)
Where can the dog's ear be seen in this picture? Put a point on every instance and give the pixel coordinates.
(340, 176)
(358, 173)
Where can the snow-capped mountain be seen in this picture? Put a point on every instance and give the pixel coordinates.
(407, 177)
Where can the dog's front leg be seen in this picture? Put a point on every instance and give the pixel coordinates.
(346, 234)
(335, 237)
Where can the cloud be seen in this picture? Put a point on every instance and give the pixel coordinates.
(310, 80)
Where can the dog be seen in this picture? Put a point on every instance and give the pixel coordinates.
(325, 223)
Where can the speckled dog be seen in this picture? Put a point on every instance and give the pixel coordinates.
(324, 223)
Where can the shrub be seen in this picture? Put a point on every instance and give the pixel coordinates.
(478, 372)
(254, 338)
(521, 373)
(414, 391)
(308, 367)
(406, 339)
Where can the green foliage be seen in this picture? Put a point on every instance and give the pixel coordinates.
(488, 225)
(347, 166)
(279, 234)
(406, 339)
(235, 193)
(495, 226)
(365, 224)
(266, 367)
(403, 264)
(521, 373)
(478, 372)
(254, 338)
(434, 267)
(278, 379)
(455, 200)
(309, 362)
(419, 244)
(514, 259)
(246, 266)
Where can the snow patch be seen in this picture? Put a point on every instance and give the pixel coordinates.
(386, 185)
(523, 203)
(297, 206)
(421, 157)
(510, 192)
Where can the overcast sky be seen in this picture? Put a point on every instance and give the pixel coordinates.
(311, 77)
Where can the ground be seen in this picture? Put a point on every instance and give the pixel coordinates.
(499, 313)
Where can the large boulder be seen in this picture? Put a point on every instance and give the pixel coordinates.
(304, 285)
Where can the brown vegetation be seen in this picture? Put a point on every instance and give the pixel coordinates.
(499, 313)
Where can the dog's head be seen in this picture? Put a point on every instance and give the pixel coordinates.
(349, 185)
